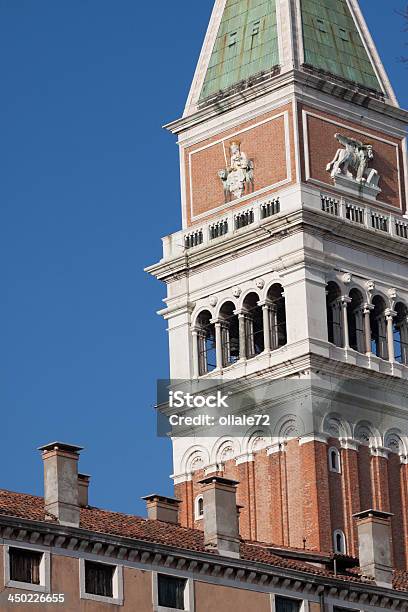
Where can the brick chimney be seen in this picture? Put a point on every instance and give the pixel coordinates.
(375, 546)
(83, 490)
(61, 489)
(221, 529)
(161, 508)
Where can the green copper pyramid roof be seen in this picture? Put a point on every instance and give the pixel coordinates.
(246, 44)
(332, 42)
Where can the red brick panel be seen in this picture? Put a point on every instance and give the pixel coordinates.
(351, 498)
(264, 142)
(379, 479)
(322, 147)
(364, 478)
(395, 477)
(316, 496)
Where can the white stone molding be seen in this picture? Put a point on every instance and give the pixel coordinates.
(245, 458)
(349, 444)
(379, 451)
(314, 437)
(277, 447)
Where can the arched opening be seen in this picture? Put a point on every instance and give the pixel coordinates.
(199, 507)
(379, 328)
(355, 319)
(229, 334)
(333, 308)
(254, 332)
(334, 460)
(206, 343)
(277, 316)
(339, 541)
(401, 333)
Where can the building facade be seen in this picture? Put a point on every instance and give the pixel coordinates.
(291, 265)
(287, 285)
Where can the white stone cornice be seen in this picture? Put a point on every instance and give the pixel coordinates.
(349, 444)
(278, 447)
(180, 478)
(379, 451)
(315, 437)
(244, 458)
(213, 467)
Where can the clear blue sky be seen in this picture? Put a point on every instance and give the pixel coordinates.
(89, 184)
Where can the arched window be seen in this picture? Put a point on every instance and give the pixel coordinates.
(199, 507)
(356, 321)
(339, 542)
(379, 328)
(333, 308)
(229, 334)
(206, 343)
(401, 333)
(277, 316)
(334, 460)
(254, 332)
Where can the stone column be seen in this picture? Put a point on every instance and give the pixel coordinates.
(266, 316)
(389, 316)
(196, 371)
(359, 316)
(345, 300)
(218, 345)
(242, 335)
(367, 327)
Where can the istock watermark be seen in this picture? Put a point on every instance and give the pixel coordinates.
(180, 399)
(290, 407)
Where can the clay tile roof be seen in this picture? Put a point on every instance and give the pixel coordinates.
(30, 507)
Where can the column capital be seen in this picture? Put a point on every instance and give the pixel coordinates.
(197, 331)
(390, 314)
(314, 437)
(241, 313)
(367, 308)
(278, 447)
(266, 303)
(379, 451)
(345, 299)
(219, 322)
(349, 444)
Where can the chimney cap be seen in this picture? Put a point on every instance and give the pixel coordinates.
(372, 514)
(84, 477)
(218, 480)
(161, 498)
(70, 448)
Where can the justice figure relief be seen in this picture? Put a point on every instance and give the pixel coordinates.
(238, 177)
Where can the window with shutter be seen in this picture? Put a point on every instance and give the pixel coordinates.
(99, 579)
(171, 591)
(25, 565)
(282, 604)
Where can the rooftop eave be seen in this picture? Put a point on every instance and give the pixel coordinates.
(333, 86)
(212, 564)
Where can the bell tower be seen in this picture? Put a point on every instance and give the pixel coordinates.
(292, 266)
